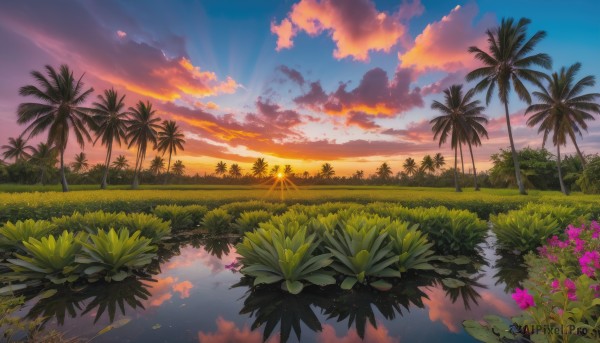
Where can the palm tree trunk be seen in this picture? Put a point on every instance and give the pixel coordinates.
(514, 152)
(136, 181)
(63, 177)
(168, 167)
(560, 178)
(107, 165)
(583, 162)
(462, 161)
(456, 170)
(474, 170)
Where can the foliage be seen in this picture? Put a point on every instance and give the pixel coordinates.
(411, 245)
(538, 169)
(13, 236)
(590, 178)
(217, 221)
(113, 256)
(272, 255)
(560, 298)
(181, 217)
(149, 226)
(48, 258)
(235, 209)
(249, 220)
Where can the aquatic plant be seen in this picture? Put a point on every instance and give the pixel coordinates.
(217, 221)
(249, 220)
(12, 235)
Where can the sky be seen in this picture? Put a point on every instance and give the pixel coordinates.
(299, 82)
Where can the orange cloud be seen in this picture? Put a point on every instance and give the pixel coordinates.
(183, 288)
(161, 291)
(443, 44)
(228, 332)
(356, 26)
(372, 335)
(284, 32)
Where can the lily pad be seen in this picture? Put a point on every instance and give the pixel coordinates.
(452, 283)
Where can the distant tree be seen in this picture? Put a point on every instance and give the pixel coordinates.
(327, 171)
(410, 166)
(505, 68)
(111, 125)
(287, 170)
(274, 170)
(170, 139)
(235, 171)
(427, 164)
(44, 158)
(157, 165)
(59, 111)
(17, 149)
(80, 164)
(384, 171)
(143, 127)
(538, 169)
(359, 174)
(120, 163)
(438, 161)
(221, 168)
(178, 168)
(259, 168)
(305, 174)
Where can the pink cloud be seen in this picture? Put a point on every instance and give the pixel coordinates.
(121, 34)
(375, 94)
(443, 44)
(285, 32)
(227, 332)
(372, 335)
(362, 120)
(356, 26)
(183, 288)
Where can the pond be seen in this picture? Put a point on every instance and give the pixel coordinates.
(197, 296)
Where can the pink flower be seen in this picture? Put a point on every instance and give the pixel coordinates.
(589, 262)
(560, 311)
(573, 232)
(596, 228)
(553, 242)
(555, 285)
(552, 258)
(579, 245)
(570, 285)
(523, 298)
(596, 289)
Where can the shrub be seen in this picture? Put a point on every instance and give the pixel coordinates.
(362, 253)
(589, 181)
(564, 215)
(217, 221)
(48, 258)
(113, 256)
(272, 255)
(149, 226)
(248, 221)
(181, 217)
(412, 246)
(515, 231)
(235, 209)
(13, 236)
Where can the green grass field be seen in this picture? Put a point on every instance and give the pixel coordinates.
(21, 202)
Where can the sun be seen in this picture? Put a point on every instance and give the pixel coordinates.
(280, 175)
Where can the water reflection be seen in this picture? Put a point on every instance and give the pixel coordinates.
(189, 290)
(511, 271)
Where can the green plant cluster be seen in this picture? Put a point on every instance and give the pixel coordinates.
(350, 248)
(181, 217)
(527, 228)
(67, 257)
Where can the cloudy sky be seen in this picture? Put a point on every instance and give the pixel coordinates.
(298, 82)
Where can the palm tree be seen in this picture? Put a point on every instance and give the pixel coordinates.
(120, 163)
(17, 148)
(235, 170)
(111, 125)
(259, 168)
(359, 174)
(562, 101)
(221, 168)
(170, 139)
(274, 170)
(305, 174)
(80, 164)
(178, 168)
(384, 171)
(59, 110)
(44, 157)
(562, 110)
(143, 128)
(157, 165)
(287, 170)
(427, 164)
(438, 161)
(410, 166)
(462, 119)
(506, 66)
(327, 171)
